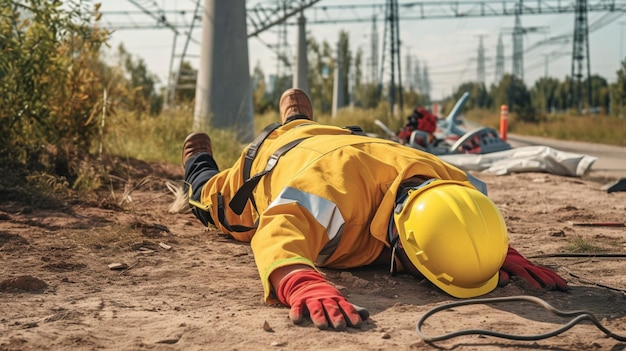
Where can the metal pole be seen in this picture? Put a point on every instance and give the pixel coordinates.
(182, 57)
(171, 83)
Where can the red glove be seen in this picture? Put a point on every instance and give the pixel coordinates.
(536, 276)
(307, 290)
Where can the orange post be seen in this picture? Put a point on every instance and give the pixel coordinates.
(504, 121)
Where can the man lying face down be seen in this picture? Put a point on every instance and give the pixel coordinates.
(306, 195)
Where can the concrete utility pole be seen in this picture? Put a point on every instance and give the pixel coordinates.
(223, 90)
(338, 98)
(301, 74)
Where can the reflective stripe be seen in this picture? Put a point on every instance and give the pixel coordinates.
(324, 211)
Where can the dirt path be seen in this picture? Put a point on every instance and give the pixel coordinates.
(201, 291)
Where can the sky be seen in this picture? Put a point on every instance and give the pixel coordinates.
(448, 47)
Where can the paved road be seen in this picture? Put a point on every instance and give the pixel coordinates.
(611, 162)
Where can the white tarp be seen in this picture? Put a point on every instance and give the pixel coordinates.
(524, 159)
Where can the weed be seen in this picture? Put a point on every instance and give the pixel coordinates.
(578, 244)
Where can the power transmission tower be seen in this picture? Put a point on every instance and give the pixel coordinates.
(518, 42)
(392, 31)
(480, 66)
(374, 53)
(580, 54)
(518, 47)
(499, 60)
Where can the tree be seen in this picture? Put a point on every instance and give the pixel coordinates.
(50, 84)
(479, 96)
(513, 92)
(367, 95)
(599, 93)
(186, 84)
(619, 91)
(261, 100)
(562, 94)
(321, 64)
(544, 94)
(143, 97)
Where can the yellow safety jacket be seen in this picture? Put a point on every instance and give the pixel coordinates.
(326, 203)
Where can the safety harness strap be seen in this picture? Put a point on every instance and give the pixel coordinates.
(221, 216)
(356, 130)
(254, 148)
(244, 193)
(392, 231)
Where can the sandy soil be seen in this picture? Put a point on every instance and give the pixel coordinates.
(187, 288)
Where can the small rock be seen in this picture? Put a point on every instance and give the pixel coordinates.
(168, 341)
(359, 283)
(385, 335)
(30, 325)
(165, 246)
(341, 288)
(267, 328)
(117, 266)
(278, 343)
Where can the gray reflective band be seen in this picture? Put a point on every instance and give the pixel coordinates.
(324, 211)
(477, 183)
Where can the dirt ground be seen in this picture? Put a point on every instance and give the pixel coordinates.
(187, 288)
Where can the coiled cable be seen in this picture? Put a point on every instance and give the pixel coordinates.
(578, 317)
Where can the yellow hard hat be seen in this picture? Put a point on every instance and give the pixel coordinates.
(454, 235)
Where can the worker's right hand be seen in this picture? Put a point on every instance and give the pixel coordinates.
(307, 291)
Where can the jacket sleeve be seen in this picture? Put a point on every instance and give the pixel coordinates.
(293, 230)
(225, 184)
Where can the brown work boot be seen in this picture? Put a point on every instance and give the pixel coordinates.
(196, 143)
(295, 102)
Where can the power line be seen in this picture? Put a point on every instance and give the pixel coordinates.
(264, 15)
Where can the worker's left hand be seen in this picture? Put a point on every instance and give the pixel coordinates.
(307, 291)
(536, 277)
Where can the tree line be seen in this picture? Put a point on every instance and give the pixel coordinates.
(547, 95)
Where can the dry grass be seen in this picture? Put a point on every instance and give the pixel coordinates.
(581, 245)
(115, 237)
(159, 138)
(594, 129)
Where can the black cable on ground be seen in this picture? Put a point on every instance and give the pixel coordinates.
(581, 254)
(579, 316)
